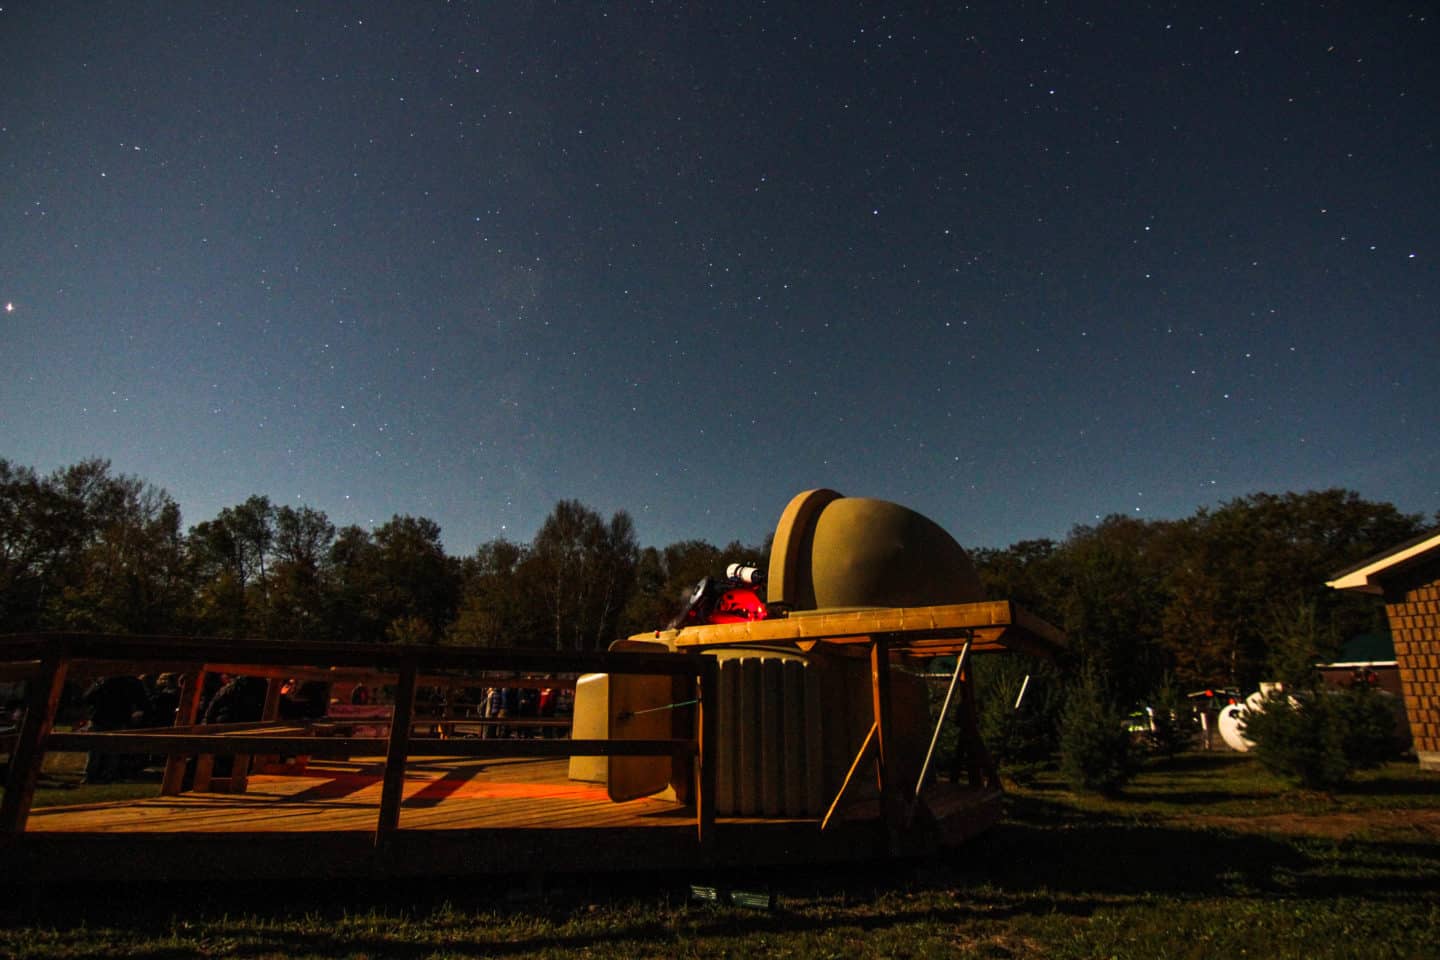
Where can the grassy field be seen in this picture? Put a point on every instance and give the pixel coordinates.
(1205, 856)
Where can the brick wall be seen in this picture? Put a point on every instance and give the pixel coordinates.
(1414, 612)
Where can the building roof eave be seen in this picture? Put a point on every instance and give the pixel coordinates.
(1366, 576)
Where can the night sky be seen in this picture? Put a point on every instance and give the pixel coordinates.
(1018, 266)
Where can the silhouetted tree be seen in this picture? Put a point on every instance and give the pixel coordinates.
(39, 532)
(230, 554)
(584, 569)
(127, 571)
(1231, 568)
(1107, 587)
(300, 582)
(418, 584)
(353, 600)
(498, 607)
(1024, 572)
(665, 578)
(87, 549)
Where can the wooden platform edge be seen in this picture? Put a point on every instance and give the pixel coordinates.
(69, 858)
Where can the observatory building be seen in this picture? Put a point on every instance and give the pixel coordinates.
(864, 596)
(1408, 578)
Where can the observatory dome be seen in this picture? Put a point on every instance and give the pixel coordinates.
(832, 551)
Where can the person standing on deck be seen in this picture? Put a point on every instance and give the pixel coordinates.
(239, 701)
(164, 701)
(115, 703)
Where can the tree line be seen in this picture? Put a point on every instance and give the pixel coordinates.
(87, 549)
(1229, 596)
(1221, 597)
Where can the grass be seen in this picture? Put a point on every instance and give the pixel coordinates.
(62, 782)
(1228, 784)
(1204, 856)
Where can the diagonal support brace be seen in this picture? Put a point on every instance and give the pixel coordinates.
(940, 721)
(854, 765)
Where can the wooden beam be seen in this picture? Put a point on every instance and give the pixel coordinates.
(940, 720)
(366, 656)
(396, 755)
(240, 773)
(891, 807)
(932, 631)
(368, 675)
(849, 775)
(24, 646)
(191, 686)
(552, 748)
(23, 669)
(453, 722)
(42, 696)
(705, 757)
(17, 671)
(230, 744)
(204, 773)
(269, 711)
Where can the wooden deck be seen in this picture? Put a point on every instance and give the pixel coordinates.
(421, 801)
(457, 817)
(439, 794)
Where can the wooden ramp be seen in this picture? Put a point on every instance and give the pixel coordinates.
(458, 817)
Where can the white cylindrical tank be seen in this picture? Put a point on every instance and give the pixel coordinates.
(1230, 720)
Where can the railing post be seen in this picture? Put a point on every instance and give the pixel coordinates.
(191, 687)
(396, 755)
(42, 696)
(706, 753)
(270, 712)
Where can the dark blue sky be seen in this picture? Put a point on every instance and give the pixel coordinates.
(1018, 265)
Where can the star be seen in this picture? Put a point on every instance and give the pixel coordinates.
(589, 272)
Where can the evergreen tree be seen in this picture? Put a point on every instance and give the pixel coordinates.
(1095, 754)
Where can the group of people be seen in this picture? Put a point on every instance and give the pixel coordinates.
(125, 702)
(520, 704)
(523, 703)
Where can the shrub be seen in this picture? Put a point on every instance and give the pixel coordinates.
(1368, 718)
(1094, 742)
(1021, 739)
(1318, 739)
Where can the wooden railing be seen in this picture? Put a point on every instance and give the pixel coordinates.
(45, 661)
